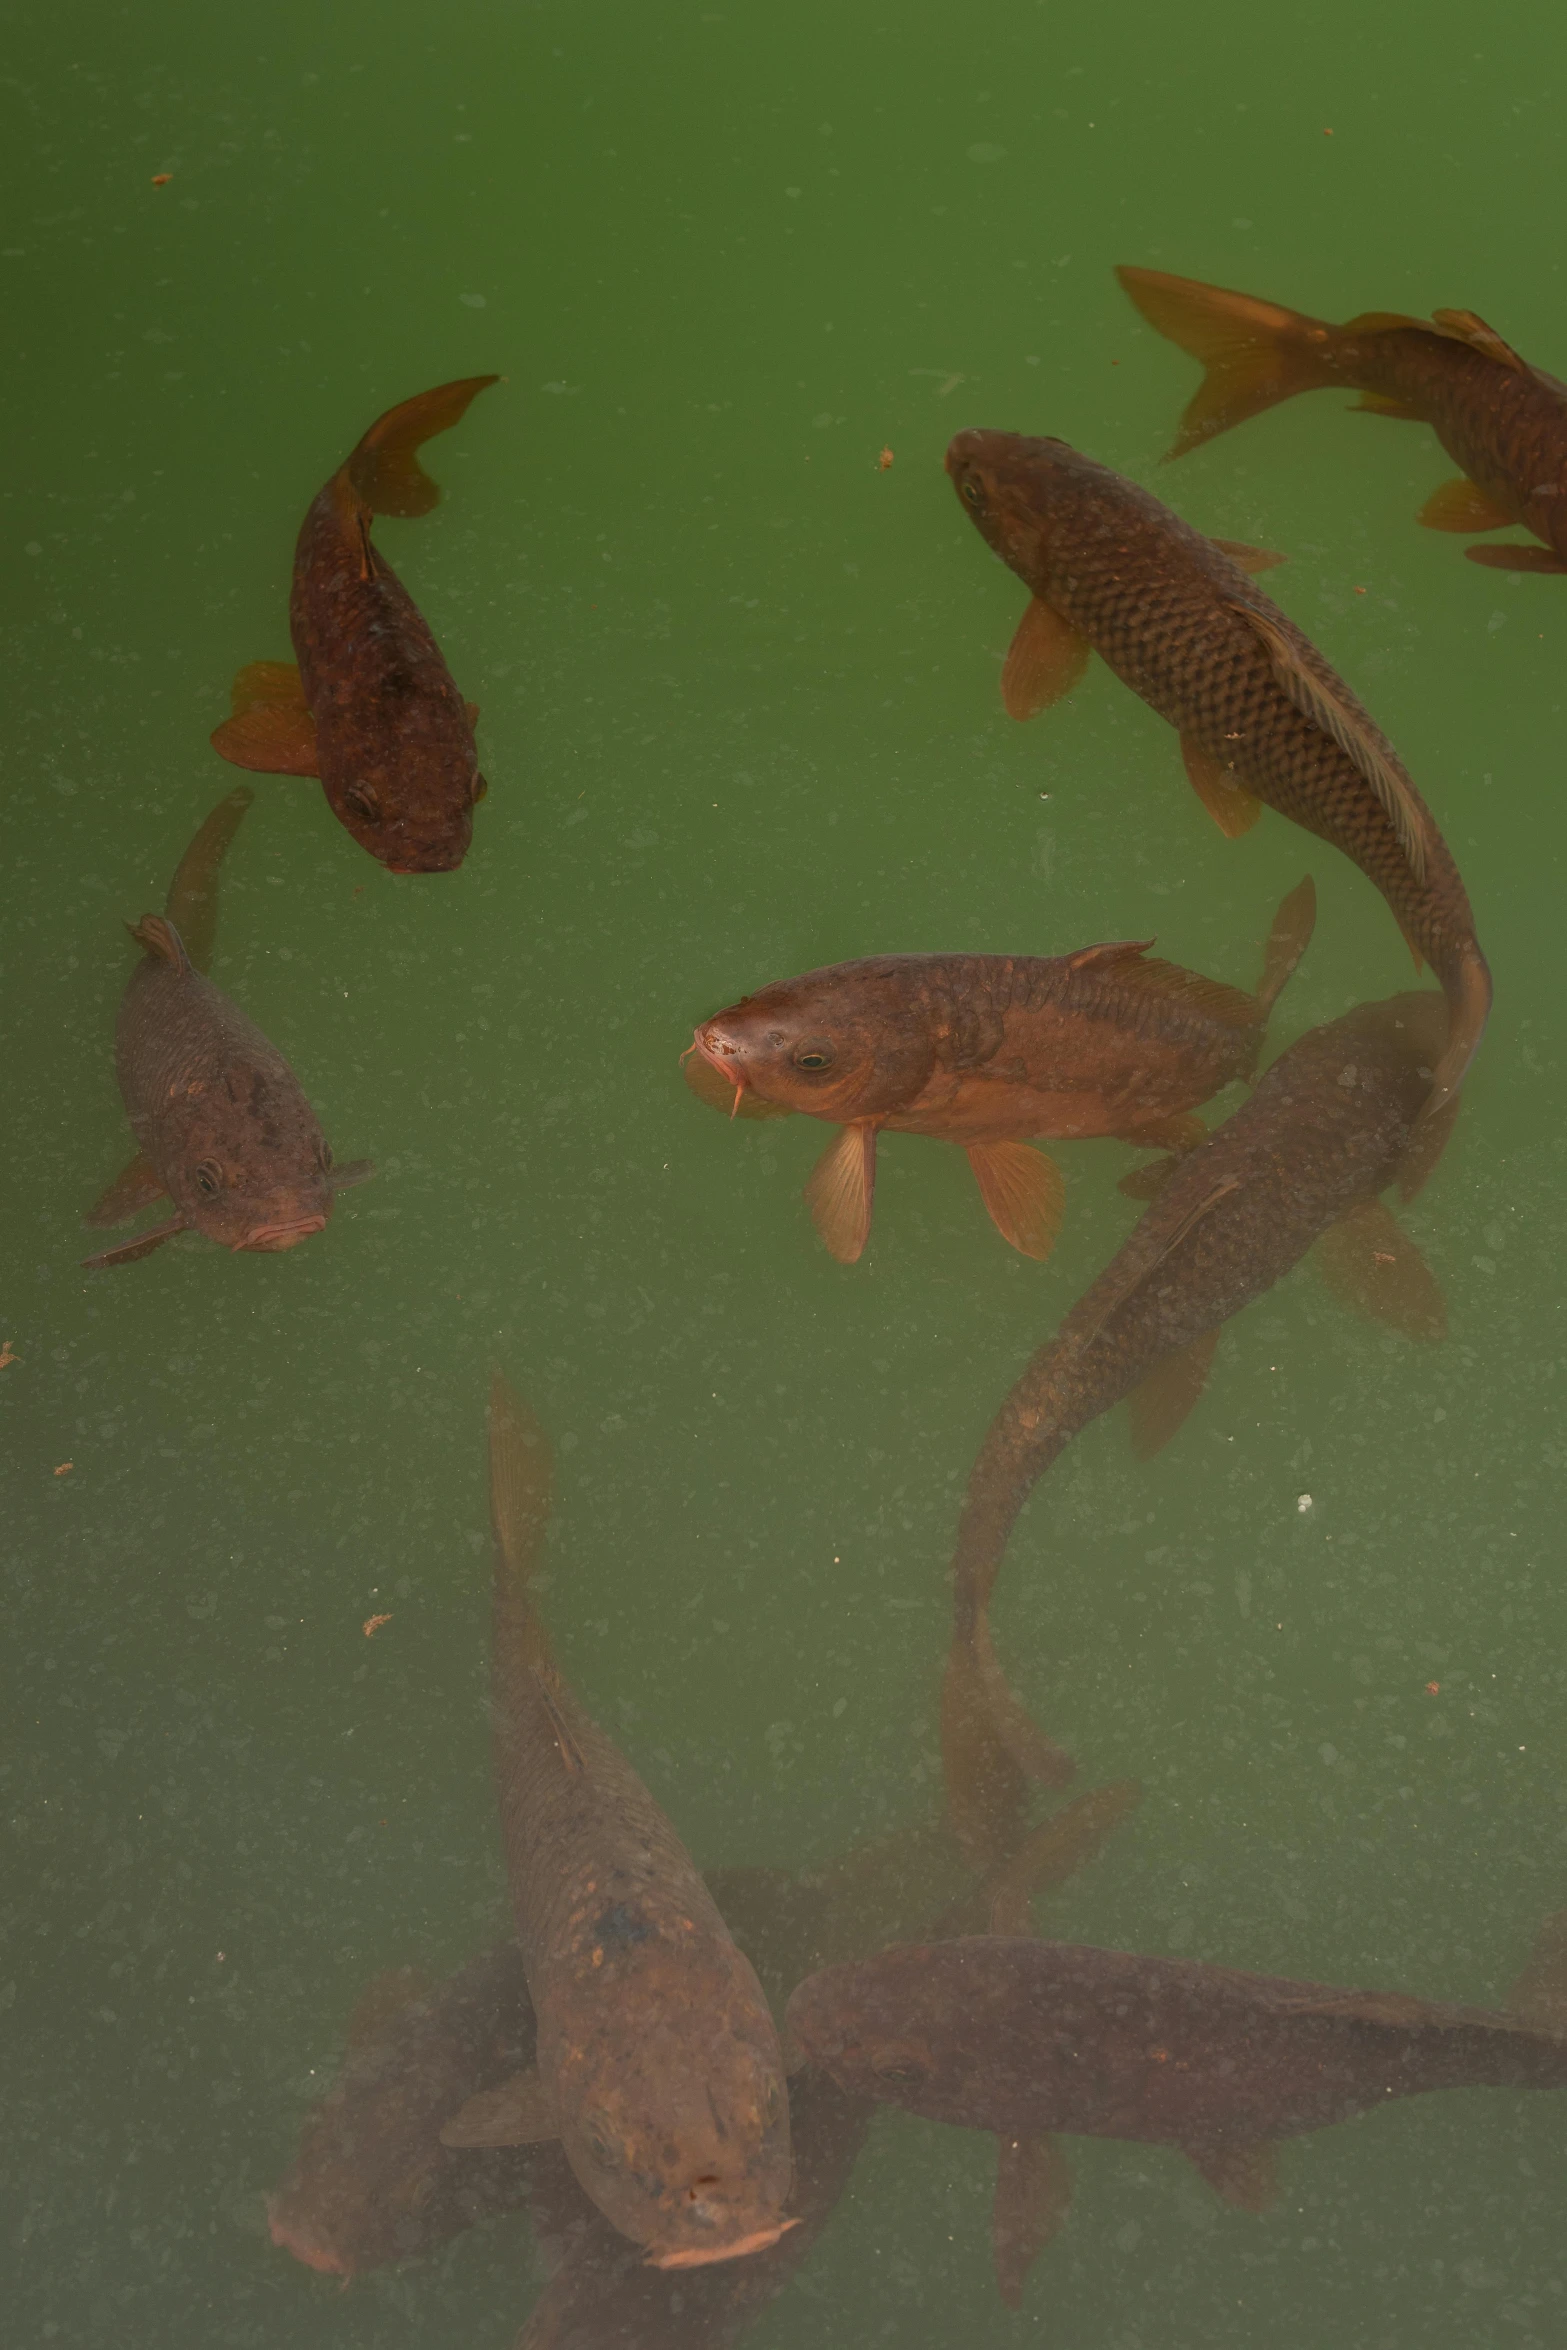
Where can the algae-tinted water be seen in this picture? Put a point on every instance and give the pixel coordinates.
(740, 716)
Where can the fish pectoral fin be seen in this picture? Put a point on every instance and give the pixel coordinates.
(1245, 2171)
(1288, 940)
(383, 1999)
(1383, 404)
(1250, 559)
(1233, 808)
(142, 1246)
(1315, 698)
(1033, 2196)
(271, 732)
(192, 902)
(1044, 661)
(1516, 558)
(520, 2112)
(1147, 1181)
(1430, 1139)
(1539, 1997)
(1053, 1852)
(1160, 1403)
(1024, 1192)
(842, 1191)
(356, 1172)
(1462, 505)
(1465, 327)
(134, 1188)
(1373, 1266)
(472, 709)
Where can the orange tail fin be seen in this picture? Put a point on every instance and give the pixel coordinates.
(385, 468)
(1256, 353)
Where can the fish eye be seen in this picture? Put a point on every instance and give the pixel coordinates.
(897, 2071)
(971, 493)
(363, 802)
(814, 1052)
(599, 2142)
(209, 1178)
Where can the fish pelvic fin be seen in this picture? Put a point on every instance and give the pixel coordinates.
(1162, 1401)
(1288, 940)
(162, 941)
(1245, 2172)
(1323, 703)
(1250, 559)
(1539, 1997)
(142, 1246)
(1461, 505)
(1033, 2196)
(1024, 1193)
(1468, 996)
(1233, 808)
(1374, 1267)
(1516, 558)
(192, 902)
(842, 1192)
(384, 470)
(1255, 353)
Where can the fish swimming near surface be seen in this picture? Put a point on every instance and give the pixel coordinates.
(223, 1130)
(988, 1051)
(1261, 715)
(1333, 1124)
(659, 2067)
(1030, 2037)
(1503, 422)
(371, 708)
(372, 2183)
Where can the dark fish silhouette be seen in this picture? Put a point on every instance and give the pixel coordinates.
(987, 1051)
(372, 2182)
(222, 1126)
(1503, 421)
(1260, 714)
(658, 2061)
(371, 708)
(1330, 1127)
(1031, 2037)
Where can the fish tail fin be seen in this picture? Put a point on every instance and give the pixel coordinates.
(1288, 940)
(192, 902)
(385, 470)
(158, 935)
(992, 1750)
(1539, 1997)
(1256, 353)
(522, 1482)
(1468, 992)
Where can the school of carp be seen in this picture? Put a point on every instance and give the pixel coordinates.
(674, 2073)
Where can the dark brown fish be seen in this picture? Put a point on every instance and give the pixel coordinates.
(222, 1126)
(1022, 2036)
(1330, 1127)
(371, 708)
(372, 2182)
(1260, 714)
(659, 2067)
(1501, 420)
(988, 1051)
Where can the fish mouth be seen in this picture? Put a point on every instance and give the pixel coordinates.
(730, 1068)
(704, 2255)
(316, 2256)
(275, 1237)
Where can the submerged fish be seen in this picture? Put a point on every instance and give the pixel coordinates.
(1260, 714)
(1023, 2036)
(987, 1051)
(1330, 1127)
(222, 1126)
(659, 2067)
(1503, 421)
(371, 709)
(372, 2182)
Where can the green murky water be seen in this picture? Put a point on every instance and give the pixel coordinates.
(740, 717)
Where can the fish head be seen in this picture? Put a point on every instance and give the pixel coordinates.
(414, 813)
(853, 1041)
(845, 2021)
(1012, 486)
(691, 2161)
(243, 1157)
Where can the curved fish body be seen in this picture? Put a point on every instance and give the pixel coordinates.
(659, 2066)
(371, 708)
(1261, 715)
(223, 1129)
(372, 2182)
(1012, 2034)
(990, 1052)
(1503, 422)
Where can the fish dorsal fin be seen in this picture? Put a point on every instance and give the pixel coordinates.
(1381, 322)
(1134, 1277)
(1396, 2011)
(842, 1192)
(1113, 950)
(1233, 808)
(1460, 505)
(1465, 327)
(385, 1997)
(1317, 700)
(1150, 977)
(385, 470)
(192, 902)
(142, 1246)
(1373, 1266)
(519, 2112)
(163, 942)
(547, 1681)
(710, 1085)
(1024, 1192)
(1250, 559)
(1245, 2171)
(1539, 1997)
(1044, 661)
(1159, 1403)
(1033, 2196)
(134, 1188)
(1288, 940)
